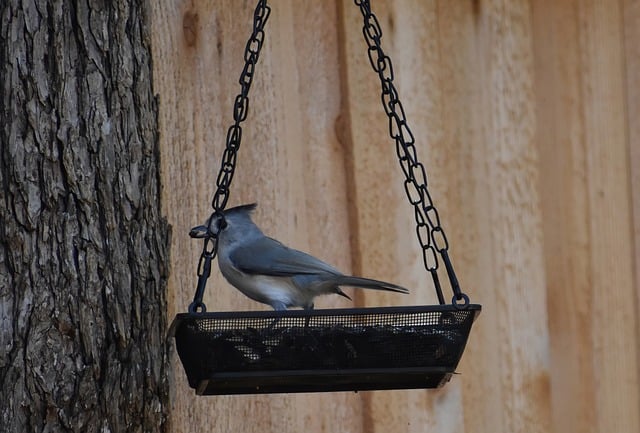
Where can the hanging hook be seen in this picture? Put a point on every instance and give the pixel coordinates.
(458, 295)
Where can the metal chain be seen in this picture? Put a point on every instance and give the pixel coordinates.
(240, 107)
(230, 155)
(430, 233)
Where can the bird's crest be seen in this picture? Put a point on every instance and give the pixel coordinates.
(243, 208)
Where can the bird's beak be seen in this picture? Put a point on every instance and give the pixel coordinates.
(200, 232)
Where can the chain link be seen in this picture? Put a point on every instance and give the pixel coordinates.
(430, 233)
(230, 154)
(240, 107)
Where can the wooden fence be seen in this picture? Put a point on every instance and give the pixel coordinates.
(527, 118)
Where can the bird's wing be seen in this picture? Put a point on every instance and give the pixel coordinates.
(267, 256)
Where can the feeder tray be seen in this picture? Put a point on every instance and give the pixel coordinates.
(354, 349)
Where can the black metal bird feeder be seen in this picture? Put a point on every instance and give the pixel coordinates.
(352, 349)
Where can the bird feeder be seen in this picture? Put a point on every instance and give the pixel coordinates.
(352, 349)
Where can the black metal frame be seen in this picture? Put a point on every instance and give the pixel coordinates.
(214, 352)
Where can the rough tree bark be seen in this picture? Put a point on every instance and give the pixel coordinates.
(83, 247)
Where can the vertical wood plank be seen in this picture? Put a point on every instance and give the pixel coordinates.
(614, 316)
(516, 321)
(564, 199)
(588, 224)
(631, 11)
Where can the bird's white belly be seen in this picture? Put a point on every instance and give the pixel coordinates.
(269, 290)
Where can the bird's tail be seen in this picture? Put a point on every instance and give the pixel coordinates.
(367, 283)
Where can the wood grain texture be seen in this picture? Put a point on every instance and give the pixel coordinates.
(564, 196)
(515, 238)
(631, 17)
(524, 117)
(586, 199)
(615, 351)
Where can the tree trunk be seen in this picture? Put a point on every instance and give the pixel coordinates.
(83, 247)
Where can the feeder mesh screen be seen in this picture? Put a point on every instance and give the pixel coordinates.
(209, 345)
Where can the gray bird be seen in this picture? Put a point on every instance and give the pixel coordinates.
(267, 271)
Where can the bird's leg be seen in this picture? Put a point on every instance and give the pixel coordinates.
(308, 318)
(278, 306)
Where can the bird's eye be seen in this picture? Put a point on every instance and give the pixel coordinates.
(221, 223)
